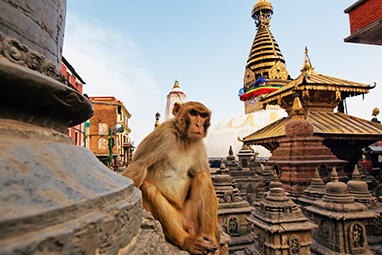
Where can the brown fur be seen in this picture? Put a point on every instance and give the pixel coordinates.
(171, 167)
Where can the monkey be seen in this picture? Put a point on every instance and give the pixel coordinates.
(171, 169)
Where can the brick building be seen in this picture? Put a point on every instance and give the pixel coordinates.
(365, 18)
(107, 112)
(75, 81)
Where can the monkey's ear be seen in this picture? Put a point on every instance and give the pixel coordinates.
(176, 109)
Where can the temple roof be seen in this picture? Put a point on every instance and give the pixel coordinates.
(325, 123)
(308, 82)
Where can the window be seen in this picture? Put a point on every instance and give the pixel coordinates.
(76, 138)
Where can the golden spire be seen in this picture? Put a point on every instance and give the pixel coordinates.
(176, 84)
(157, 116)
(265, 58)
(307, 65)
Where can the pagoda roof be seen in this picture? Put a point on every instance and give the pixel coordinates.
(310, 80)
(325, 124)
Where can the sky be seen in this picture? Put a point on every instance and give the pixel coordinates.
(134, 50)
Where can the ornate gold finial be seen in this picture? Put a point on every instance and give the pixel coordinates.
(157, 116)
(375, 112)
(262, 13)
(297, 106)
(307, 66)
(176, 84)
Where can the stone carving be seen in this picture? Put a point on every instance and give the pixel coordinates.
(294, 245)
(20, 54)
(233, 226)
(260, 242)
(356, 236)
(325, 231)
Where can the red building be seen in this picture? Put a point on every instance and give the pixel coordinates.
(76, 82)
(365, 18)
(109, 111)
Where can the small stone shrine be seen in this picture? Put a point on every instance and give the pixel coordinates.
(299, 154)
(279, 225)
(232, 164)
(242, 174)
(232, 211)
(359, 190)
(314, 192)
(340, 220)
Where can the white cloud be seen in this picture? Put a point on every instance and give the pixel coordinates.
(111, 64)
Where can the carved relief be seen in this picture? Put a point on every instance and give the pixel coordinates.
(357, 237)
(325, 231)
(294, 245)
(228, 197)
(377, 226)
(278, 71)
(260, 242)
(20, 54)
(233, 226)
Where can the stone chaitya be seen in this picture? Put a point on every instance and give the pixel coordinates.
(231, 163)
(279, 225)
(233, 211)
(340, 220)
(299, 154)
(314, 192)
(245, 169)
(359, 190)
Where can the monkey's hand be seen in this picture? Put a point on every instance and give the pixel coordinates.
(199, 245)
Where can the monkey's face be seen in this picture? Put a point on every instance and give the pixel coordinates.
(196, 124)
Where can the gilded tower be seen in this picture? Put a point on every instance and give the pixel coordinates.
(265, 69)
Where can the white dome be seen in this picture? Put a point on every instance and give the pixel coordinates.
(225, 133)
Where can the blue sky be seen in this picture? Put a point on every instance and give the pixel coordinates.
(136, 49)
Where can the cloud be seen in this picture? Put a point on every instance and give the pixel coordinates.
(112, 64)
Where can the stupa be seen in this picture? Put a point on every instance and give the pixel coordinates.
(340, 220)
(359, 190)
(315, 191)
(233, 211)
(299, 153)
(279, 225)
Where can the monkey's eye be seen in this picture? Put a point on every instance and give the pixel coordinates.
(204, 115)
(193, 113)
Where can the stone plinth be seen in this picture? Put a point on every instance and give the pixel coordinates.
(279, 226)
(232, 211)
(298, 156)
(340, 221)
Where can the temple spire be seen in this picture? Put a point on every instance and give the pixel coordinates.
(307, 65)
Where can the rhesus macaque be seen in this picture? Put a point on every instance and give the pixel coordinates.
(171, 168)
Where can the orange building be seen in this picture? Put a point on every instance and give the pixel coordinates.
(75, 81)
(109, 111)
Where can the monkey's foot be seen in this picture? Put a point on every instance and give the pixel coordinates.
(200, 244)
